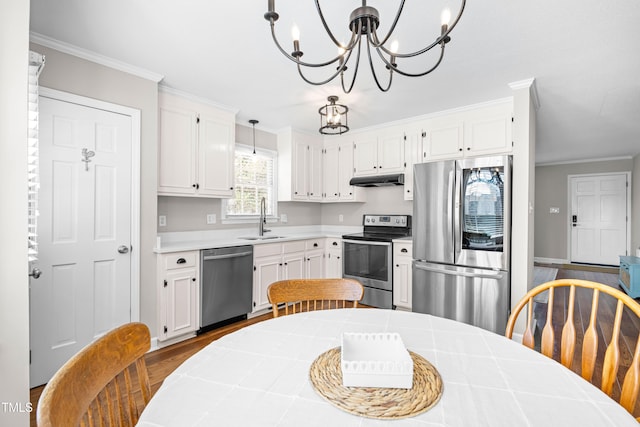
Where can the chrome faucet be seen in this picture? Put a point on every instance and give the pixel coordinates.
(263, 217)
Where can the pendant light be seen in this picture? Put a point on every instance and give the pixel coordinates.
(253, 123)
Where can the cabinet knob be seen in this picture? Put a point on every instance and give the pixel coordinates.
(315, 245)
(230, 188)
(468, 148)
(193, 279)
(459, 149)
(335, 243)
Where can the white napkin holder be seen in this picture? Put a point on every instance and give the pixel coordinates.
(375, 360)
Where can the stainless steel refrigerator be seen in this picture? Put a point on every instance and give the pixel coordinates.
(461, 240)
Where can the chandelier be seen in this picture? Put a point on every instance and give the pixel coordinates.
(331, 116)
(364, 22)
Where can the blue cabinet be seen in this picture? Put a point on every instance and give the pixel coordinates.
(629, 277)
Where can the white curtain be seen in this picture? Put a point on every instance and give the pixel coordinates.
(36, 63)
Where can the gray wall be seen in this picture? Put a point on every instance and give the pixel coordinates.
(14, 283)
(551, 237)
(75, 75)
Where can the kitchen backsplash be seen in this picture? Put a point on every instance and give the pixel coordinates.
(190, 214)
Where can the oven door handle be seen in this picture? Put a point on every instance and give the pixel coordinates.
(367, 242)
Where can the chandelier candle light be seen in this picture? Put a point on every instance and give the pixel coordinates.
(364, 22)
(331, 116)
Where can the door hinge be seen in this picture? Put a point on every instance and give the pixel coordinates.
(165, 283)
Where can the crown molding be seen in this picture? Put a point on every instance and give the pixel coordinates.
(94, 57)
(196, 98)
(533, 89)
(596, 160)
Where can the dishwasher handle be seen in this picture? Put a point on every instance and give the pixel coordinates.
(225, 256)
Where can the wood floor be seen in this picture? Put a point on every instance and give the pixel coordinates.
(162, 362)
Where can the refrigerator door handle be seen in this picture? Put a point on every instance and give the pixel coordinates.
(496, 275)
(457, 213)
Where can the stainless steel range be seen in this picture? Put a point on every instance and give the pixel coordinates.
(368, 256)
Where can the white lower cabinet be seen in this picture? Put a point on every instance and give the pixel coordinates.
(402, 280)
(179, 274)
(333, 258)
(314, 258)
(280, 261)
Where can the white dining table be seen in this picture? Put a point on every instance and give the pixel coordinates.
(259, 376)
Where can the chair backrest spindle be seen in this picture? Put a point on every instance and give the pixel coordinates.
(314, 294)
(611, 362)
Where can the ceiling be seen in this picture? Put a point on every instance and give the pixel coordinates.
(583, 55)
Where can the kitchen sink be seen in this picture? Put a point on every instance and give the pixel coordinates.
(261, 237)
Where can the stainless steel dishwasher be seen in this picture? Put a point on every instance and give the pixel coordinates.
(226, 285)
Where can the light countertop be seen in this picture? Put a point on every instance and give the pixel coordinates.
(196, 240)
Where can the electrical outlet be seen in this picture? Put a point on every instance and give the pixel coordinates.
(340, 218)
(162, 220)
(211, 218)
(284, 218)
(554, 210)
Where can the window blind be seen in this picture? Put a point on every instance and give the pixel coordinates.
(36, 62)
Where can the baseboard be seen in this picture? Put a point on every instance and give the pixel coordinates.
(542, 260)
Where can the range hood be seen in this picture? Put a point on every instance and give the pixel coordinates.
(378, 180)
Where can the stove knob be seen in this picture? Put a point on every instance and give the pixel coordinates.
(373, 220)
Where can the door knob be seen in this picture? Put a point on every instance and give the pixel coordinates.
(123, 249)
(35, 272)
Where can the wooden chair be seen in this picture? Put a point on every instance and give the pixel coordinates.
(99, 385)
(314, 294)
(610, 358)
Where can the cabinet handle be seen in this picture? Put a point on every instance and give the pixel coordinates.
(193, 279)
(181, 261)
(335, 243)
(315, 245)
(459, 149)
(379, 167)
(295, 192)
(468, 148)
(403, 250)
(196, 185)
(397, 265)
(375, 167)
(230, 188)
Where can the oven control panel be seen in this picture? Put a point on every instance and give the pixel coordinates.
(387, 220)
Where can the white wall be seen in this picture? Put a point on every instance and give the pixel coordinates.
(14, 283)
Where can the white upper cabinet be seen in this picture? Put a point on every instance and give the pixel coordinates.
(196, 149)
(412, 155)
(488, 130)
(477, 132)
(338, 171)
(442, 137)
(299, 166)
(379, 153)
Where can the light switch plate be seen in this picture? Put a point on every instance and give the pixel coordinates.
(283, 218)
(162, 220)
(211, 218)
(554, 210)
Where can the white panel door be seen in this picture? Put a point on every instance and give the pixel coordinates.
(84, 232)
(598, 218)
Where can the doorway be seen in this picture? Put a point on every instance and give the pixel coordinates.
(599, 209)
(88, 227)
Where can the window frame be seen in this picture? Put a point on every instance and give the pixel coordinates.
(253, 218)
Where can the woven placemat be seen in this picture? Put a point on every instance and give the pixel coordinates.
(382, 403)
